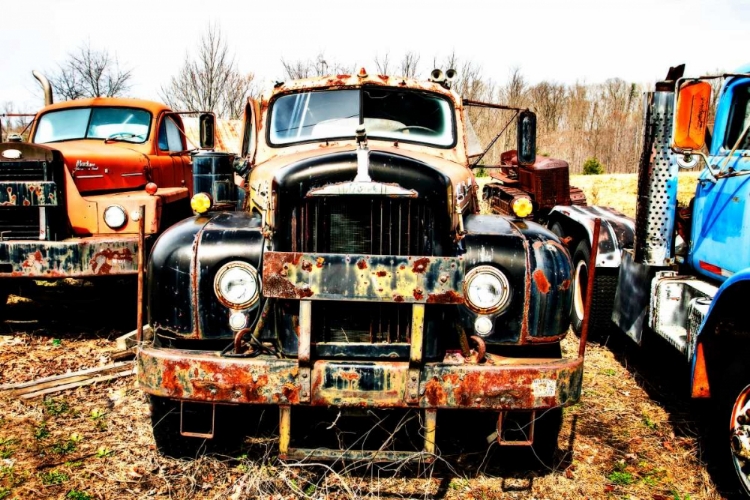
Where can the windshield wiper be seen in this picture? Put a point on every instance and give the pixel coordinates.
(123, 136)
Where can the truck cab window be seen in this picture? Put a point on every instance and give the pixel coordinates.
(170, 138)
(739, 117)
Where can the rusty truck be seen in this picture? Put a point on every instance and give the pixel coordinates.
(360, 275)
(681, 273)
(70, 196)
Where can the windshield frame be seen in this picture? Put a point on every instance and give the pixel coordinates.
(38, 121)
(361, 89)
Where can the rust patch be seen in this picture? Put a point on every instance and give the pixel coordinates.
(449, 297)
(101, 262)
(349, 376)
(541, 281)
(382, 274)
(306, 265)
(319, 262)
(434, 393)
(418, 294)
(398, 298)
(565, 285)
(278, 286)
(420, 265)
(362, 264)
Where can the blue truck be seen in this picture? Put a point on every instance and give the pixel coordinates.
(683, 273)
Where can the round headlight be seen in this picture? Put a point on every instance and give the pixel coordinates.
(114, 216)
(486, 290)
(236, 285)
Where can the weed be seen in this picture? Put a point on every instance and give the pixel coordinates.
(6, 447)
(620, 478)
(97, 414)
(63, 448)
(53, 477)
(73, 465)
(10, 477)
(4, 492)
(676, 496)
(41, 431)
(56, 407)
(56, 342)
(310, 490)
(78, 495)
(648, 422)
(103, 452)
(610, 372)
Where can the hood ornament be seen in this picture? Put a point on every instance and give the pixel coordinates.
(363, 156)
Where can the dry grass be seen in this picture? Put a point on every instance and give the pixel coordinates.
(96, 442)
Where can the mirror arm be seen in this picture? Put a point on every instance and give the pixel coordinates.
(493, 141)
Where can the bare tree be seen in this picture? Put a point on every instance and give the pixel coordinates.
(90, 73)
(409, 66)
(383, 64)
(309, 68)
(210, 81)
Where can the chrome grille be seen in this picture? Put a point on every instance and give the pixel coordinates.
(374, 226)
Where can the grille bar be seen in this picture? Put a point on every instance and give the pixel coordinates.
(20, 223)
(374, 226)
(27, 170)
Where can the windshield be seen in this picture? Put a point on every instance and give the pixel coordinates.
(739, 118)
(122, 124)
(402, 115)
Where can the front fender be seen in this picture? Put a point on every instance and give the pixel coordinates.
(538, 268)
(707, 355)
(617, 230)
(182, 268)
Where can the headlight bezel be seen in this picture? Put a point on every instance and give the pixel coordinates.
(111, 209)
(223, 272)
(504, 298)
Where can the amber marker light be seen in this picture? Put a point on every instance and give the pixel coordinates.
(522, 207)
(151, 188)
(200, 203)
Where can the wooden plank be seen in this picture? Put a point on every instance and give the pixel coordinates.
(81, 383)
(64, 378)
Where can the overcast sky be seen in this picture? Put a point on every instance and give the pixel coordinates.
(558, 40)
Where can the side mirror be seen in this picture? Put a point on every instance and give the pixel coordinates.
(691, 116)
(207, 123)
(526, 129)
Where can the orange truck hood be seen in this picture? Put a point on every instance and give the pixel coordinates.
(96, 166)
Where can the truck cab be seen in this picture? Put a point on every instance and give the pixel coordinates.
(70, 197)
(360, 275)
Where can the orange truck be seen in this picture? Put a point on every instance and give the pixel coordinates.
(71, 197)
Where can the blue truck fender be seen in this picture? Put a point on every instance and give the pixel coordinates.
(730, 290)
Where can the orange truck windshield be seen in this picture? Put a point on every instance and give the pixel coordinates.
(121, 124)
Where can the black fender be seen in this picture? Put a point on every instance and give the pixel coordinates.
(617, 230)
(182, 303)
(538, 269)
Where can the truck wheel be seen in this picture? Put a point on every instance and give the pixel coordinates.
(165, 423)
(605, 287)
(546, 431)
(736, 407)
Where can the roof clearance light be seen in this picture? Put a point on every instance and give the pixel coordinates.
(200, 203)
(522, 207)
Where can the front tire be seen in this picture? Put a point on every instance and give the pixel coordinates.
(735, 405)
(165, 424)
(605, 287)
